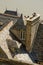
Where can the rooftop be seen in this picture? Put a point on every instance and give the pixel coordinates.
(19, 24)
(6, 18)
(3, 22)
(37, 49)
(11, 12)
(9, 15)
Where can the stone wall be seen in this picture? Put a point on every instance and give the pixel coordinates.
(34, 29)
(28, 36)
(17, 33)
(31, 30)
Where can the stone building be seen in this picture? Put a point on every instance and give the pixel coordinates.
(31, 35)
(26, 32)
(7, 43)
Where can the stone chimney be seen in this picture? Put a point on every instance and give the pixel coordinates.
(31, 30)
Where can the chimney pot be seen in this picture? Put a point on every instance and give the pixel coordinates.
(34, 14)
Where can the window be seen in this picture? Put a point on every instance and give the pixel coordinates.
(22, 35)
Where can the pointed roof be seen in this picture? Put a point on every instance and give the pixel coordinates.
(20, 23)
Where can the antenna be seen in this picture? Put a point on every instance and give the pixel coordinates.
(6, 8)
(17, 9)
(5, 5)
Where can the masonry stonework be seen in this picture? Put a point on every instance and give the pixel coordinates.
(31, 30)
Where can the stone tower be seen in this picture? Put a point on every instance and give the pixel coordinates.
(31, 30)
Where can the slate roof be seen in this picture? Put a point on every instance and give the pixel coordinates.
(5, 19)
(37, 49)
(19, 24)
(11, 12)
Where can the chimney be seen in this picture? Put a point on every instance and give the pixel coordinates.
(21, 16)
(34, 14)
(31, 30)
